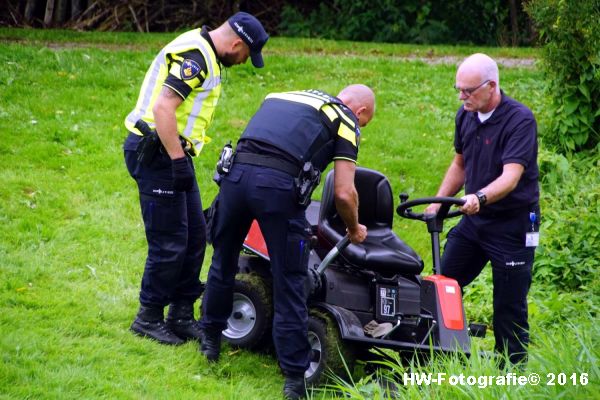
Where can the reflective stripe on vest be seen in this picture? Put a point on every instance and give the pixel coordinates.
(318, 100)
(312, 98)
(196, 112)
(292, 122)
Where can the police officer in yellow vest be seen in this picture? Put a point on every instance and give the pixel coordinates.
(166, 129)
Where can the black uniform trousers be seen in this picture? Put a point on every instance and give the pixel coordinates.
(252, 192)
(499, 239)
(175, 231)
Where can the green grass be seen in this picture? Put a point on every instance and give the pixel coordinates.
(569, 372)
(276, 44)
(72, 244)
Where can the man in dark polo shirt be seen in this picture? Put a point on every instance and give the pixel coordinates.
(496, 162)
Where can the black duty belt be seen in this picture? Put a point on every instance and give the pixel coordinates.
(269, 162)
(145, 129)
(509, 213)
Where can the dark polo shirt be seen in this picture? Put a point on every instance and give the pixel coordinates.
(508, 136)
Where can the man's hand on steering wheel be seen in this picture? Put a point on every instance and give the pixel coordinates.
(439, 207)
(432, 209)
(471, 205)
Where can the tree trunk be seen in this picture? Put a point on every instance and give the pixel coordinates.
(29, 10)
(75, 9)
(61, 11)
(135, 19)
(49, 13)
(514, 22)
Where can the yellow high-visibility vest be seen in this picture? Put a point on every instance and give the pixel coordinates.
(196, 112)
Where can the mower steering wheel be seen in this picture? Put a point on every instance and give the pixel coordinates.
(405, 211)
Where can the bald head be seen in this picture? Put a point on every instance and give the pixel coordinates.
(361, 100)
(477, 82)
(481, 67)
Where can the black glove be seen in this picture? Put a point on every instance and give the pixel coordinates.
(183, 174)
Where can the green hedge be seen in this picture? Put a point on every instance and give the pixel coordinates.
(482, 22)
(570, 31)
(567, 258)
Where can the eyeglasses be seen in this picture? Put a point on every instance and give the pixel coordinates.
(469, 91)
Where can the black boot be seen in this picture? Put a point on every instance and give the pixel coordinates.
(181, 322)
(294, 387)
(149, 323)
(211, 345)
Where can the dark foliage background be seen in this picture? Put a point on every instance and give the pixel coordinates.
(482, 22)
(134, 15)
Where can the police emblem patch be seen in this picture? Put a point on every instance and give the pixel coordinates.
(189, 69)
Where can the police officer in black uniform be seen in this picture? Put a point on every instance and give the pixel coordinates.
(166, 129)
(496, 161)
(289, 130)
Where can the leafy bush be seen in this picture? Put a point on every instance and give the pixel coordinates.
(568, 254)
(411, 21)
(570, 32)
(341, 20)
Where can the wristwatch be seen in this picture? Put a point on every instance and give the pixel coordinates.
(481, 197)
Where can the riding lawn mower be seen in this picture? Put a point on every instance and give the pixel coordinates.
(360, 297)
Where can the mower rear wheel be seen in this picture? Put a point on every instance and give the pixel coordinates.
(249, 325)
(329, 354)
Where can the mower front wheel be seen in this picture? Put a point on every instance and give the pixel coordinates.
(249, 325)
(329, 354)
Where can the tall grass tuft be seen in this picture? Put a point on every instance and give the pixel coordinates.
(565, 360)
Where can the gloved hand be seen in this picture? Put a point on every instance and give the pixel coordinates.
(183, 174)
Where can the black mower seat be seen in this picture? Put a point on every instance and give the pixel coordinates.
(382, 251)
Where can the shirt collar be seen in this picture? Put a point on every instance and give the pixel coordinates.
(206, 36)
(498, 112)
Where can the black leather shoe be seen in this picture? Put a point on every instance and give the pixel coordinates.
(211, 345)
(181, 322)
(149, 323)
(294, 387)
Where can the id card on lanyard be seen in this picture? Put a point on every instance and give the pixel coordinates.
(532, 238)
